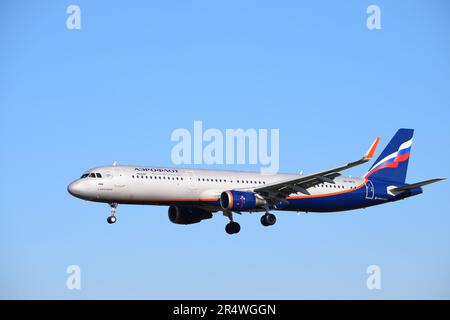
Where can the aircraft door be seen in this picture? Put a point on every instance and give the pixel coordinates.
(190, 177)
(370, 190)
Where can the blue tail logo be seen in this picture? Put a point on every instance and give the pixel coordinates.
(392, 164)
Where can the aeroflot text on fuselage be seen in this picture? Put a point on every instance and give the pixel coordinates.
(195, 195)
(156, 169)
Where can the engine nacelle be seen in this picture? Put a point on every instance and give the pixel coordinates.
(187, 215)
(240, 200)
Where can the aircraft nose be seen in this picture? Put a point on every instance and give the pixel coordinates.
(74, 188)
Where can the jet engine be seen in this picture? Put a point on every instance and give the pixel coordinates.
(187, 215)
(240, 200)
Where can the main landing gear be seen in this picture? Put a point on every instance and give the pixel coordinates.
(112, 218)
(232, 227)
(268, 219)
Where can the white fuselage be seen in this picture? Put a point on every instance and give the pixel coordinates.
(166, 186)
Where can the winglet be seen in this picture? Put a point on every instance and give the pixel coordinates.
(371, 151)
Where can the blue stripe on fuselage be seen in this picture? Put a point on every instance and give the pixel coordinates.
(351, 200)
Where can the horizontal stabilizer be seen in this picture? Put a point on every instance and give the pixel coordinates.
(415, 185)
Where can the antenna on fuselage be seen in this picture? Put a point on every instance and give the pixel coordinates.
(301, 172)
(114, 163)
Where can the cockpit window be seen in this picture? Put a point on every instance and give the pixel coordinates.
(91, 175)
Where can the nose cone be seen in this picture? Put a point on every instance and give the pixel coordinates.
(75, 188)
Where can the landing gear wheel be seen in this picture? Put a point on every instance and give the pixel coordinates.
(268, 219)
(232, 227)
(263, 221)
(111, 219)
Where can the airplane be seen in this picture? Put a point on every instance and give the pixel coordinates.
(194, 195)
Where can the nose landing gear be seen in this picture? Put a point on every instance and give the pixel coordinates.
(112, 218)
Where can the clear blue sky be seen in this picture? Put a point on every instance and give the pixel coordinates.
(116, 89)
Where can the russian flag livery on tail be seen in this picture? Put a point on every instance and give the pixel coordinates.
(392, 164)
(194, 195)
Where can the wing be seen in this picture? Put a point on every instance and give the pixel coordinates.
(277, 192)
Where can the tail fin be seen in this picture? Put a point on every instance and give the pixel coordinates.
(392, 164)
